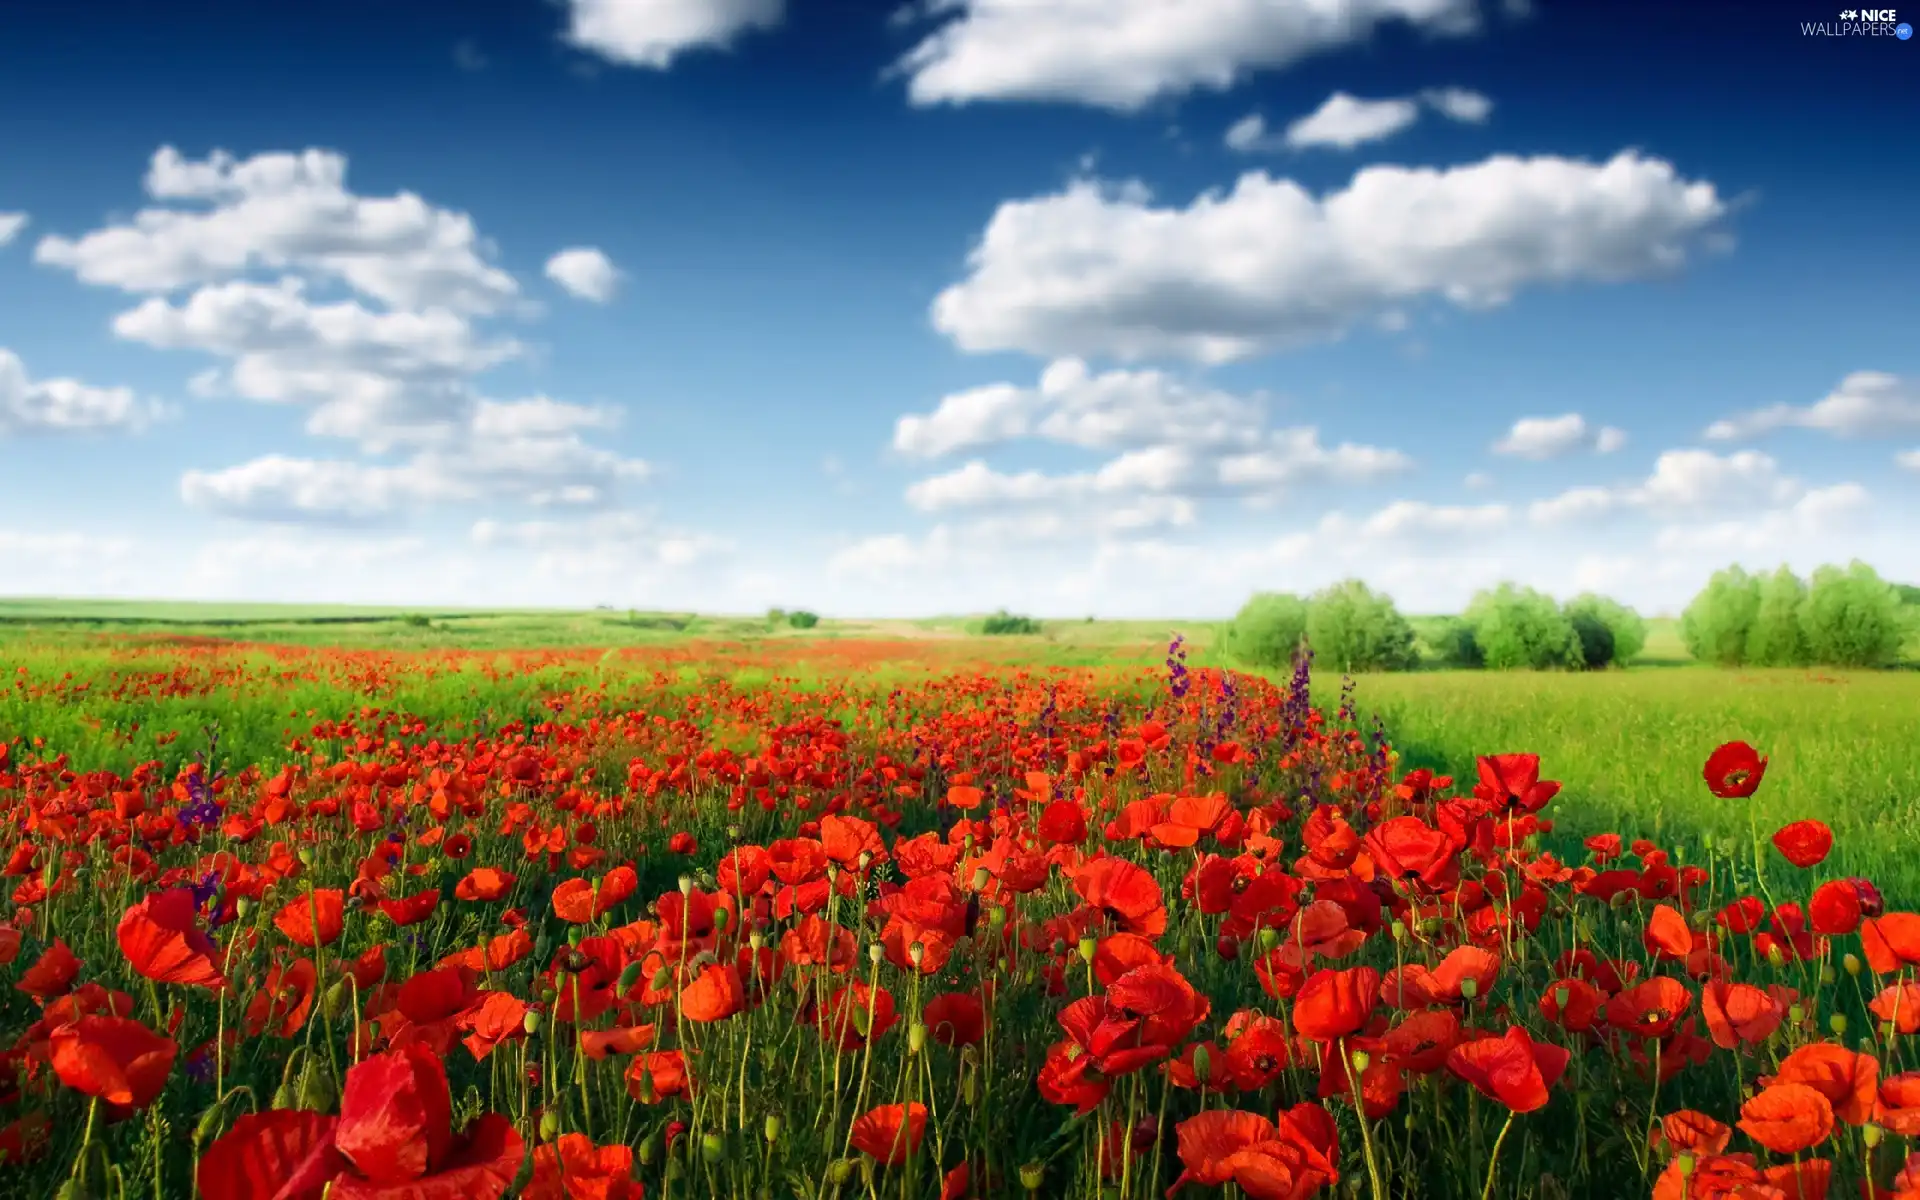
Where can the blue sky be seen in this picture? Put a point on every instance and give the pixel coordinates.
(1127, 308)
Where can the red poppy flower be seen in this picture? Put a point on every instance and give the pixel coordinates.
(484, 883)
(1845, 1077)
(1899, 1004)
(51, 974)
(315, 919)
(713, 995)
(1125, 893)
(411, 910)
(658, 1075)
(1514, 1070)
(578, 901)
(1734, 771)
(1739, 1014)
(1690, 1132)
(1511, 784)
(1804, 843)
(162, 939)
(955, 1018)
(891, 1132)
(1889, 942)
(856, 1015)
(1650, 1009)
(287, 1154)
(573, 1168)
(1333, 1004)
(395, 1130)
(1787, 1118)
(114, 1059)
(457, 847)
(1899, 1104)
(282, 1004)
(682, 843)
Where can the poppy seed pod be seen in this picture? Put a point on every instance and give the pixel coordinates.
(1870, 1136)
(686, 885)
(1470, 987)
(1399, 930)
(1202, 1064)
(1838, 1023)
(1089, 946)
(1362, 1060)
(531, 1023)
(770, 1128)
(916, 953)
(839, 1171)
(916, 1037)
(1827, 973)
(1032, 1175)
(875, 953)
(981, 878)
(1852, 965)
(713, 1147)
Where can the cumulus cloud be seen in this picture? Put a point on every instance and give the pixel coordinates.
(1542, 438)
(391, 367)
(11, 223)
(1345, 121)
(286, 212)
(1123, 54)
(652, 33)
(584, 272)
(1684, 484)
(1910, 459)
(1866, 404)
(1100, 269)
(66, 405)
(1459, 104)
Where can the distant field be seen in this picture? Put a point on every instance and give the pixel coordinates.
(1628, 743)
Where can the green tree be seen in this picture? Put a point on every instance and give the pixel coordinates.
(1267, 630)
(1354, 628)
(1626, 632)
(1852, 617)
(1520, 627)
(1716, 624)
(800, 618)
(1004, 622)
(1778, 636)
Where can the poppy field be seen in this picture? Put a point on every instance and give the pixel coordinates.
(581, 925)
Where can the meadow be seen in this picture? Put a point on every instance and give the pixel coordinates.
(348, 903)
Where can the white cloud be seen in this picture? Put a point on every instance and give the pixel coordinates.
(1542, 438)
(1477, 481)
(1123, 54)
(391, 368)
(1418, 520)
(1866, 404)
(66, 405)
(11, 223)
(1101, 270)
(652, 33)
(1685, 484)
(1816, 515)
(286, 212)
(1910, 459)
(1345, 121)
(1073, 406)
(584, 272)
(1459, 104)
(576, 548)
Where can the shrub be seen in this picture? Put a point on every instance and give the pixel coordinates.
(1715, 626)
(1909, 594)
(1452, 641)
(1777, 637)
(1353, 628)
(1626, 633)
(1596, 640)
(1851, 617)
(1004, 622)
(1267, 630)
(800, 618)
(1519, 627)
(776, 617)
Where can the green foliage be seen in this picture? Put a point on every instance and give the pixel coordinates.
(1004, 622)
(1353, 628)
(417, 620)
(1518, 627)
(800, 618)
(1596, 640)
(1778, 637)
(1626, 633)
(1851, 617)
(1453, 643)
(1267, 630)
(776, 617)
(1909, 594)
(1716, 625)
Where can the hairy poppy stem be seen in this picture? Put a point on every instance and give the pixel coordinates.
(1493, 1164)
(1360, 1111)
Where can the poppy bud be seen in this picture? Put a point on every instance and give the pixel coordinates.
(542, 946)
(839, 1171)
(1700, 919)
(647, 1093)
(916, 1037)
(713, 1147)
(316, 1090)
(283, 1097)
(1795, 1014)
(1838, 1023)
(1269, 937)
(306, 856)
(770, 1129)
(650, 1148)
(1032, 1175)
(875, 953)
(722, 917)
(981, 877)
(997, 918)
(242, 907)
(335, 1001)
(1202, 1064)
(1776, 956)
(70, 1190)
(208, 1127)
(1003, 964)
(661, 979)
(1827, 973)
(1685, 1163)
(629, 975)
(862, 1020)
(1089, 945)
(1852, 964)
(531, 1023)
